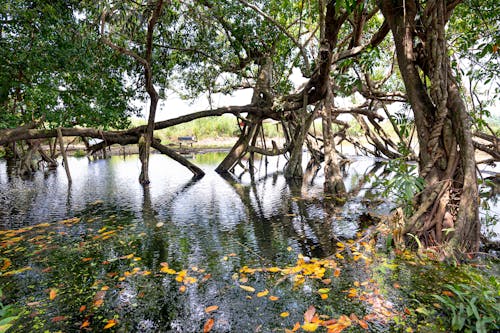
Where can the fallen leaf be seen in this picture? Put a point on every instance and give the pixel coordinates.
(323, 296)
(211, 308)
(363, 324)
(447, 293)
(263, 293)
(52, 294)
(86, 323)
(6, 264)
(58, 319)
(284, 314)
(247, 288)
(336, 273)
(208, 325)
(83, 308)
(309, 314)
(310, 327)
(273, 298)
(182, 289)
(98, 303)
(111, 323)
(324, 290)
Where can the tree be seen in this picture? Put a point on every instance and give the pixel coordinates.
(447, 208)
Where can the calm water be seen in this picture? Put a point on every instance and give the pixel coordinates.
(109, 260)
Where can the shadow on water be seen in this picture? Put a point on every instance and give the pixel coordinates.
(110, 254)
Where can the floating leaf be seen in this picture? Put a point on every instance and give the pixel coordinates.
(263, 293)
(363, 324)
(111, 323)
(310, 327)
(309, 314)
(6, 264)
(284, 314)
(211, 308)
(208, 325)
(247, 288)
(58, 319)
(53, 294)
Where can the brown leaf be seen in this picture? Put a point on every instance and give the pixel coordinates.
(58, 319)
(208, 325)
(309, 314)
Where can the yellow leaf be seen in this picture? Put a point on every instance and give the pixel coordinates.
(111, 323)
(263, 293)
(284, 314)
(273, 298)
(324, 290)
(273, 269)
(341, 245)
(52, 294)
(211, 308)
(105, 288)
(310, 327)
(247, 288)
(167, 270)
(339, 256)
(323, 296)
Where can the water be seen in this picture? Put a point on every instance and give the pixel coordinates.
(108, 264)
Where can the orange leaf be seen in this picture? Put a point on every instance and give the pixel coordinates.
(296, 327)
(58, 319)
(208, 325)
(396, 285)
(86, 323)
(111, 323)
(6, 264)
(309, 314)
(273, 298)
(98, 303)
(363, 324)
(182, 288)
(323, 296)
(447, 293)
(212, 308)
(83, 308)
(336, 273)
(52, 294)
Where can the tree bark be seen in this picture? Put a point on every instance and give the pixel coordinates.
(446, 154)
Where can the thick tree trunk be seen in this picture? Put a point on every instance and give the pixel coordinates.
(446, 156)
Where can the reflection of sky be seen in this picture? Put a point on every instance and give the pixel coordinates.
(211, 202)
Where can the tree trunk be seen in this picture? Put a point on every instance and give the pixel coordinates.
(446, 156)
(334, 184)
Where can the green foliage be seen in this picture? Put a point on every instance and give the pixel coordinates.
(53, 68)
(402, 185)
(8, 314)
(472, 307)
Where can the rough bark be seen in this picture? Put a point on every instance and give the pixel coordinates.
(446, 154)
